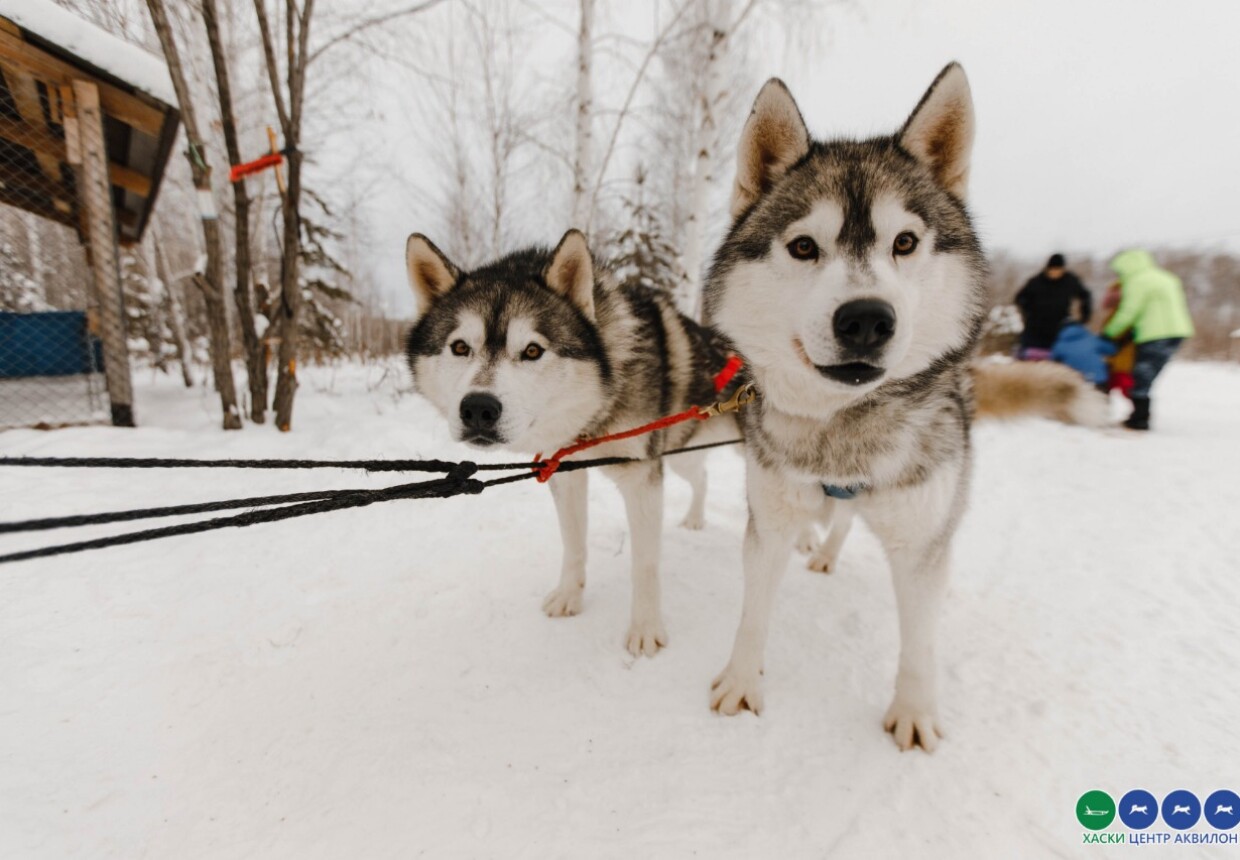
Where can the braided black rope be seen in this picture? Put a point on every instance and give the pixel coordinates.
(457, 481)
(168, 511)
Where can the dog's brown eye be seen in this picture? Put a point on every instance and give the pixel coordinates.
(533, 352)
(905, 244)
(460, 347)
(803, 248)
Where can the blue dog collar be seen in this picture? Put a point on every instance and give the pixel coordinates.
(844, 493)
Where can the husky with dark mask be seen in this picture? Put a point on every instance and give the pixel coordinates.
(541, 348)
(853, 284)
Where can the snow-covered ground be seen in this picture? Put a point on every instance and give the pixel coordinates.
(382, 682)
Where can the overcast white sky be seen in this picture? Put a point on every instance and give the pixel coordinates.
(1102, 123)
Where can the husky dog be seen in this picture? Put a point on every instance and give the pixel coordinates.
(541, 348)
(852, 283)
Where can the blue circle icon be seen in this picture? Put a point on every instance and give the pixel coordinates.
(1222, 809)
(1138, 809)
(1181, 809)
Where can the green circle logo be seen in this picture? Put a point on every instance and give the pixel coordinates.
(1095, 810)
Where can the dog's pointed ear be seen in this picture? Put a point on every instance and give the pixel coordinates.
(774, 139)
(571, 271)
(940, 132)
(431, 274)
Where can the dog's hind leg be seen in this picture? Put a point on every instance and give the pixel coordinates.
(641, 484)
(692, 467)
(841, 518)
(570, 490)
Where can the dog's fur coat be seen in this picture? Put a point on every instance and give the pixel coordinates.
(852, 282)
(549, 349)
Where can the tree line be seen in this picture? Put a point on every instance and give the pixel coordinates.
(525, 118)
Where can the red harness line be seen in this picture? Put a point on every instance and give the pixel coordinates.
(722, 378)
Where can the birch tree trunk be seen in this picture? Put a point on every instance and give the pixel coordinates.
(256, 366)
(705, 146)
(211, 281)
(583, 153)
(158, 304)
(176, 314)
(297, 35)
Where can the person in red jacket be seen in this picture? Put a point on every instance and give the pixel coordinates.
(1121, 363)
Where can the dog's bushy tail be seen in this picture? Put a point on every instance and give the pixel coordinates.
(1043, 388)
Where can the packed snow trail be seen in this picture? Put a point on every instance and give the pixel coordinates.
(382, 683)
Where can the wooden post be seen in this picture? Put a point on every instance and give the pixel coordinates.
(95, 197)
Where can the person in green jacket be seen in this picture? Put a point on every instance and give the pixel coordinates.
(1154, 310)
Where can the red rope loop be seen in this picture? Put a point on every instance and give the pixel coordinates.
(722, 378)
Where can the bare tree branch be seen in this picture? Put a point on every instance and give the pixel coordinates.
(628, 101)
(371, 23)
(273, 74)
(740, 19)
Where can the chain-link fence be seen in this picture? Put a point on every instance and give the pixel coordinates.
(51, 370)
(62, 340)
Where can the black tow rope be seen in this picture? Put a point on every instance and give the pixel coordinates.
(458, 480)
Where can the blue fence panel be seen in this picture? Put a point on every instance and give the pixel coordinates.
(55, 343)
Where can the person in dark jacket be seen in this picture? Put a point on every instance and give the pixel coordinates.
(1044, 303)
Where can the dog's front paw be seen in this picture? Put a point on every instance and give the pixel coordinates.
(821, 562)
(911, 725)
(563, 601)
(734, 691)
(645, 637)
(693, 523)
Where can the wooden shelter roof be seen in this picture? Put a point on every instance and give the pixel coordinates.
(43, 49)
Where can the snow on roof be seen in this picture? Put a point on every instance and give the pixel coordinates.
(99, 48)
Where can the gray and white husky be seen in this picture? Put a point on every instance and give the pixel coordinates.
(541, 348)
(852, 283)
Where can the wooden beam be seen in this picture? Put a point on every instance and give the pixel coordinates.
(73, 155)
(35, 186)
(21, 200)
(129, 179)
(128, 108)
(96, 196)
(26, 97)
(48, 145)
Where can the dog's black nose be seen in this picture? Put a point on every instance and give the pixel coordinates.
(480, 412)
(864, 325)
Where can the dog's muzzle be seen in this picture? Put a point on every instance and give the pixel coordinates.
(862, 329)
(480, 418)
